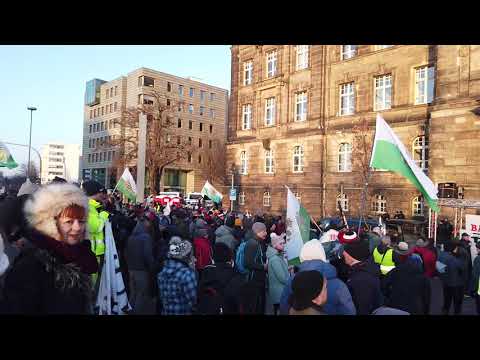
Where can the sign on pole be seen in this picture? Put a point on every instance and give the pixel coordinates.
(233, 194)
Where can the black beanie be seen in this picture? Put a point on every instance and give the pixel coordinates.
(221, 253)
(358, 250)
(92, 187)
(230, 221)
(306, 286)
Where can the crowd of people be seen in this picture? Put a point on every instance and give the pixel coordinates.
(182, 260)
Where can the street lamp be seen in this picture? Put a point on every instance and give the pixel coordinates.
(32, 109)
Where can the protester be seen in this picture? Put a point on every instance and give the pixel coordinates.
(140, 261)
(465, 247)
(383, 255)
(444, 232)
(177, 282)
(429, 257)
(363, 281)
(224, 234)
(407, 275)
(277, 269)
(53, 277)
(256, 264)
(309, 293)
(339, 300)
(475, 285)
(202, 249)
(452, 280)
(374, 238)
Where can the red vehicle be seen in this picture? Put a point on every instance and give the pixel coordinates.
(168, 197)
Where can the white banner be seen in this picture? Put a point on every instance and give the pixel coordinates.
(472, 227)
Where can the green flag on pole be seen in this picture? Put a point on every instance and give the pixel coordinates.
(6, 159)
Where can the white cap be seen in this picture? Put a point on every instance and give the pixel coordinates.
(312, 250)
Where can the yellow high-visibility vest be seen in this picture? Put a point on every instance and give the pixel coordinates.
(385, 261)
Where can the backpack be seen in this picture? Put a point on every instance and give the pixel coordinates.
(240, 258)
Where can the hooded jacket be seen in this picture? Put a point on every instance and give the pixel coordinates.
(429, 258)
(456, 267)
(339, 300)
(139, 250)
(177, 286)
(364, 285)
(277, 274)
(224, 234)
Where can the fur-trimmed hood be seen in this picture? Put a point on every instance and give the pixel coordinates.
(48, 202)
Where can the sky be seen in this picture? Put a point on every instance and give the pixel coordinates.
(52, 79)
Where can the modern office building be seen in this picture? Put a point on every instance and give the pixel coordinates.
(200, 120)
(62, 160)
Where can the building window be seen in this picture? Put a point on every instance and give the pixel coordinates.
(91, 114)
(383, 92)
(379, 205)
(180, 90)
(270, 111)
(212, 113)
(103, 110)
(418, 206)
(348, 51)
(202, 110)
(267, 198)
(347, 99)
(199, 159)
(89, 129)
(269, 162)
(343, 200)
(301, 106)
(111, 108)
(189, 157)
(420, 152)
(381, 47)
(168, 102)
(247, 116)
(116, 90)
(101, 126)
(146, 81)
(424, 84)
(200, 144)
(345, 157)
(101, 157)
(243, 163)
(190, 125)
(190, 108)
(201, 126)
(298, 159)
(211, 129)
(89, 157)
(169, 86)
(189, 140)
(209, 144)
(115, 106)
(212, 96)
(202, 95)
(192, 92)
(179, 123)
(241, 198)
(302, 57)
(247, 72)
(180, 107)
(271, 63)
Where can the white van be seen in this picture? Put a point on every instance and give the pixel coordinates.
(193, 198)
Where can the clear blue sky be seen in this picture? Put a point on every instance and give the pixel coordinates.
(52, 78)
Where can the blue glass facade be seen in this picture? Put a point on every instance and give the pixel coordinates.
(92, 91)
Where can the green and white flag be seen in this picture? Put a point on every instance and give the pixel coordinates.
(211, 192)
(298, 228)
(6, 159)
(126, 185)
(388, 153)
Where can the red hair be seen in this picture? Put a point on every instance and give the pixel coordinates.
(73, 211)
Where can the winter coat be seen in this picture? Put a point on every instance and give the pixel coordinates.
(444, 232)
(255, 258)
(409, 276)
(456, 267)
(373, 241)
(177, 284)
(277, 274)
(203, 252)
(339, 300)
(139, 250)
(280, 228)
(224, 234)
(50, 278)
(429, 258)
(364, 285)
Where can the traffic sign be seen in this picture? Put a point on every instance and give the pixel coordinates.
(233, 194)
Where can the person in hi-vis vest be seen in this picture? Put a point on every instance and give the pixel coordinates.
(383, 255)
(96, 221)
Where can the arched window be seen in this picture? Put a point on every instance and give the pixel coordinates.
(267, 198)
(298, 158)
(345, 157)
(379, 204)
(241, 198)
(343, 199)
(418, 206)
(420, 152)
(243, 163)
(269, 162)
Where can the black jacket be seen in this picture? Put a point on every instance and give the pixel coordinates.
(364, 285)
(407, 289)
(255, 258)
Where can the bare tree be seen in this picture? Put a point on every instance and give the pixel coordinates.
(215, 163)
(161, 150)
(34, 173)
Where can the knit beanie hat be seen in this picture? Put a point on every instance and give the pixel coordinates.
(179, 249)
(258, 227)
(312, 250)
(276, 239)
(401, 248)
(358, 250)
(306, 286)
(386, 240)
(377, 231)
(347, 237)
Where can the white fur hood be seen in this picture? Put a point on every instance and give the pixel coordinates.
(48, 202)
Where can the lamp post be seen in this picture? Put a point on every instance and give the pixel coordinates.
(232, 170)
(32, 109)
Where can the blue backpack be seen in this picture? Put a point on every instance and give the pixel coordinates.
(240, 258)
